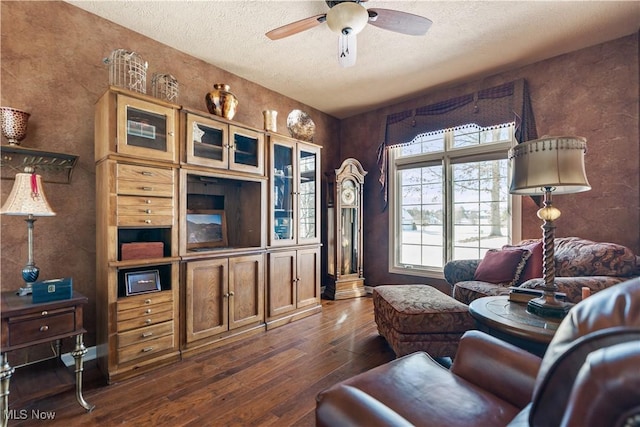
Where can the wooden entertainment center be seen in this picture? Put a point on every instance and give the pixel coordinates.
(224, 221)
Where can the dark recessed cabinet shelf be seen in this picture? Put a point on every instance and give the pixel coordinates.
(54, 167)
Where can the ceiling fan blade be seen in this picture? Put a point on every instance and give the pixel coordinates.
(296, 27)
(400, 22)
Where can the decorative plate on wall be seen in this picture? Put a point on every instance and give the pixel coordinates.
(300, 125)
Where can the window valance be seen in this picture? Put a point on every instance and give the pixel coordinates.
(493, 106)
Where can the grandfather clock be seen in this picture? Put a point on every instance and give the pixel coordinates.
(344, 277)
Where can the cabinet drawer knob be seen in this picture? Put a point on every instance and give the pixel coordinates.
(231, 293)
(147, 201)
(226, 295)
(147, 301)
(147, 334)
(147, 349)
(170, 133)
(147, 221)
(148, 321)
(44, 328)
(147, 188)
(147, 173)
(148, 311)
(147, 211)
(44, 313)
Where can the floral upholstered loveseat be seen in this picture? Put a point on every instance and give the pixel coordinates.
(578, 263)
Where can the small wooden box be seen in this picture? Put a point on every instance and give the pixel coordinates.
(52, 290)
(142, 250)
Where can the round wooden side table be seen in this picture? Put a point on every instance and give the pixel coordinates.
(510, 321)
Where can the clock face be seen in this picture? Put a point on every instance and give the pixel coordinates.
(348, 195)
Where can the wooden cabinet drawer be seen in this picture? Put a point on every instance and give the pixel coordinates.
(144, 311)
(144, 181)
(145, 349)
(143, 300)
(145, 334)
(133, 211)
(144, 203)
(144, 174)
(36, 327)
(144, 188)
(145, 210)
(141, 321)
(140, 220)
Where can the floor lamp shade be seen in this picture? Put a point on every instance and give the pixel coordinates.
(551, 164)
(551, 161)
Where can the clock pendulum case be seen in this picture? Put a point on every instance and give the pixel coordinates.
(345, 278)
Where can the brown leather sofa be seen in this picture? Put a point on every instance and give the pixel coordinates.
(589, 377)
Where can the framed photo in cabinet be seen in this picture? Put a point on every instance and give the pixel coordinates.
(206, 229)
(141, 282)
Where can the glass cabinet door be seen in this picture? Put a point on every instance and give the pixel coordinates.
(295, 206)
(145, 129)
(349, 242)
(247, 148)
(207, 142)
(282, 193)
(308, 200)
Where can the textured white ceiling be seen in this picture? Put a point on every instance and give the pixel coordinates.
(468, 39)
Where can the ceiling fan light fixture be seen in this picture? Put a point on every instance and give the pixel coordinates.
(347, 18)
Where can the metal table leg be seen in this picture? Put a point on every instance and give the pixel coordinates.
(78, 354)
(5, 374)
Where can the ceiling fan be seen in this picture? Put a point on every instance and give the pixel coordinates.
(348, 18)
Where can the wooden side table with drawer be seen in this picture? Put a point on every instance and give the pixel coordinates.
(25, 324)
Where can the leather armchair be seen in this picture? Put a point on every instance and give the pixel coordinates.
(589, 376)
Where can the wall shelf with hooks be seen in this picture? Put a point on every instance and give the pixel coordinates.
(54, 167)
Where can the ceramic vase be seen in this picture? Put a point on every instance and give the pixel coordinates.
(270, 120)
(221, 102)
(14, 124)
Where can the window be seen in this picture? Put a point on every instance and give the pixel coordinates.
(449, 197)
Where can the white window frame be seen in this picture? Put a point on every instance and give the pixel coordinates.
(490, 151)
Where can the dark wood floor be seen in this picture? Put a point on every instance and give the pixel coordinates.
(268, 380)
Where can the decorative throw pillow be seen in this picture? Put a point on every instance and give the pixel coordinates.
(533, 268)
(502, 266)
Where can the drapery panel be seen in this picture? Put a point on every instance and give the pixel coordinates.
(493, 106)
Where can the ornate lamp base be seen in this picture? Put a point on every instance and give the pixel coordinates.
(30, 274)
(548, 307)
(24, 291)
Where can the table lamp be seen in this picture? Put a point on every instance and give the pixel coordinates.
(27, 198)
(551, 164)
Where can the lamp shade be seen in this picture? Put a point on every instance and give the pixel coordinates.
(27, 197)
(551, 161)
(347, 18)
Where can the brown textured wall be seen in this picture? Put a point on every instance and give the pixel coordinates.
(51, 56)
(51, 59)
(593, 93)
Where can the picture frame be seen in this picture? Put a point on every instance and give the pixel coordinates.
(206, 228)
(142, 282)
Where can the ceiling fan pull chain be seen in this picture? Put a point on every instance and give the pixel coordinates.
(347, 50)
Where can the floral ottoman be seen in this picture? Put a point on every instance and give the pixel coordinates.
(420, 318)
